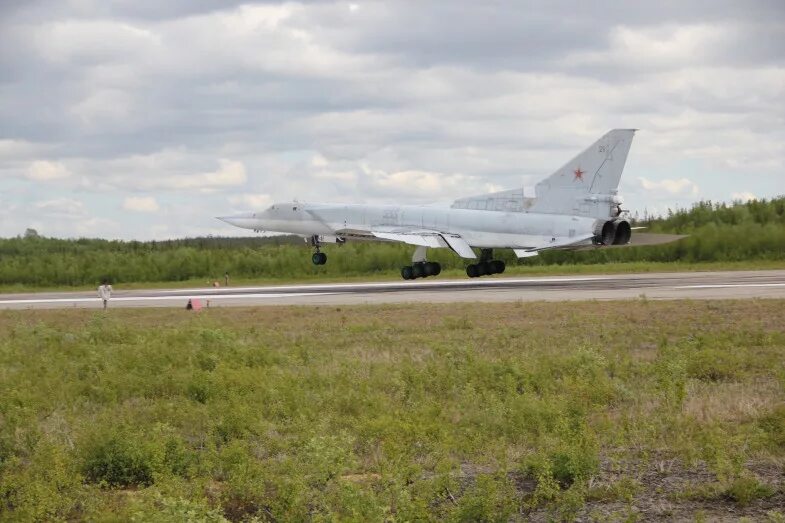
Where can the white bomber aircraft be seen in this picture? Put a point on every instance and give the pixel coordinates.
(575, 207)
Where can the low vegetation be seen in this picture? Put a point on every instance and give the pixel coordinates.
(466, 412)
(748, 235)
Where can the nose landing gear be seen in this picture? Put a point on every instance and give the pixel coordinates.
(318, 258)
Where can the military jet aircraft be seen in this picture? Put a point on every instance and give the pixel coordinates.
(576, 207)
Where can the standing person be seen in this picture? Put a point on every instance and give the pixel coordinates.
(226, 279)
(105, 292)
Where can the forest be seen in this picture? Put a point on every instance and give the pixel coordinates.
(718, 232)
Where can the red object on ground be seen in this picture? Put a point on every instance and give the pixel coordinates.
(196, 304)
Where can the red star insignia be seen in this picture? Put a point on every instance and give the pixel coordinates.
(578, 174)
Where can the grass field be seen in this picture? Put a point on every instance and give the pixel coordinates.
(464, 412)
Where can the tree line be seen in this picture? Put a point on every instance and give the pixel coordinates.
(718, 232)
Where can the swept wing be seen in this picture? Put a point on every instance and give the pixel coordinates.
(427, 238)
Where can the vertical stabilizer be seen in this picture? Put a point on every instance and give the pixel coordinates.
(587, 185)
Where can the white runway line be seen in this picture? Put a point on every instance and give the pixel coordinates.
(339, 286)
(728, 285)
(162, 298)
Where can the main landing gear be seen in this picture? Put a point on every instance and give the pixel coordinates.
(420, 267)
(318, 258)
(486, 266)
(421, 270)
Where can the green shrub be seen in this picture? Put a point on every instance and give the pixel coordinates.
(178, 458)
(118, 459)
(577, 454)
(742, 490)
(714, 365)
(773, 424)
(198, 389)
(624, 489)
(45, 487)
(457, 323)
(671, 371)
(168, 510)
(491, 498)
(349, 502)
(570, 465)
(745, 489)
(327, 456)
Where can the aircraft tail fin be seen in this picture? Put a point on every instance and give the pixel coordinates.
(588, 184)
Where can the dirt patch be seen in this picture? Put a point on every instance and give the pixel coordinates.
(662, 493)
(739, 402)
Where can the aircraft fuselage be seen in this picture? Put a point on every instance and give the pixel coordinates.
(484, 229)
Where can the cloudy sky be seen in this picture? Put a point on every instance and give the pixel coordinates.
(145, 119)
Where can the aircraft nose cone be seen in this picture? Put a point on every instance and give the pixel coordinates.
(238, 220)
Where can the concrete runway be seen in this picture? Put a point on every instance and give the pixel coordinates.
(658, 286)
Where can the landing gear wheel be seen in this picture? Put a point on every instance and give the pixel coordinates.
(418, 270)
(485, 268)
(431, 269)
(407, 273)
(319, 258)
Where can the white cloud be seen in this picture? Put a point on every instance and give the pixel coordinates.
(252, 201)
(44, 170)
(104, 107)
(743, 196)
(319, 161)
(18, 149)
(140, 204)
(421, 181)
(682, 186)
(344, 176)
(423, 186)
(665, 46)
(165, 170)
(91, 41)
(230, 173)
(90, 227)
(61, 207)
